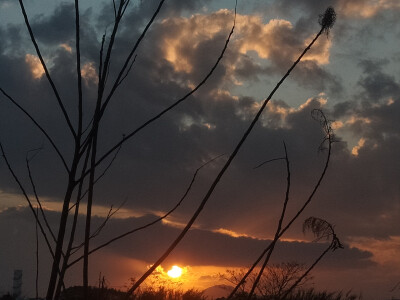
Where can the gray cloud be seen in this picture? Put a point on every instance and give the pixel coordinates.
(376, 84)
(57, 28)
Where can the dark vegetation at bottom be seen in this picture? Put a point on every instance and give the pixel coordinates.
(95, 293)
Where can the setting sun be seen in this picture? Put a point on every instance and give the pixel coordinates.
(175, 272)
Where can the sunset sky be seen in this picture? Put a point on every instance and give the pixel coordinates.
(353, 75)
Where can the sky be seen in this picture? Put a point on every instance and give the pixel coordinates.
(351, 74)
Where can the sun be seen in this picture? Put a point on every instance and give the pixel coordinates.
(175, 272)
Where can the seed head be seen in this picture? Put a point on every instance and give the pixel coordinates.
(327, 19)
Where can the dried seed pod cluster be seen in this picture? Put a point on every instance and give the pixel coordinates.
(327, 19)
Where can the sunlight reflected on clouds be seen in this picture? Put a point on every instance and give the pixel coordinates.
(34, 65)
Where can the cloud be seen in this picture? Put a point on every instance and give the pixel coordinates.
(377, 85)
(56, 28)
(89, 73)
(6, 4)
(384, 250)
(366, 9)
(360, 144)
(66, 47)
(185, 41)
(35, 66)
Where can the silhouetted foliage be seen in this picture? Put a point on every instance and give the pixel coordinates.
(95, 293)
(161, 293)
(304, 294)
(274, 282)
(7, 297)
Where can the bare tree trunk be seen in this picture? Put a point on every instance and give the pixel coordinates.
(60, 240)
(37, 258)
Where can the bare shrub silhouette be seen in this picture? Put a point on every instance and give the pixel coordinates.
(274, 282)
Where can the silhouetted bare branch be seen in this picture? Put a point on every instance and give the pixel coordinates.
(109, 215)
(28, 159)
(50, 80)
(279, 227)
(38, 126)
(78, 69)
(268, 161)
(23, 191)
(73, 229)
(37, 258)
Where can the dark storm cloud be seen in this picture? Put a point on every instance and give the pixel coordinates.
(309, 74)
(375, 83)
(376, 105)
(342, 109)
(11, 39)
(57, 28)
(246, 69)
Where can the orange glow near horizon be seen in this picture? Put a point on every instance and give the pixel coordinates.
(190, 277)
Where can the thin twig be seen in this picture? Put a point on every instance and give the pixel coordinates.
(115, 10)
(279, 227)
(37, 257)
(268, 161)
(38, 126)
(37, 198)
(127, 72)
(78, 70)
(16, 179)
(132, 52)
(110, 213)
(50, 80)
